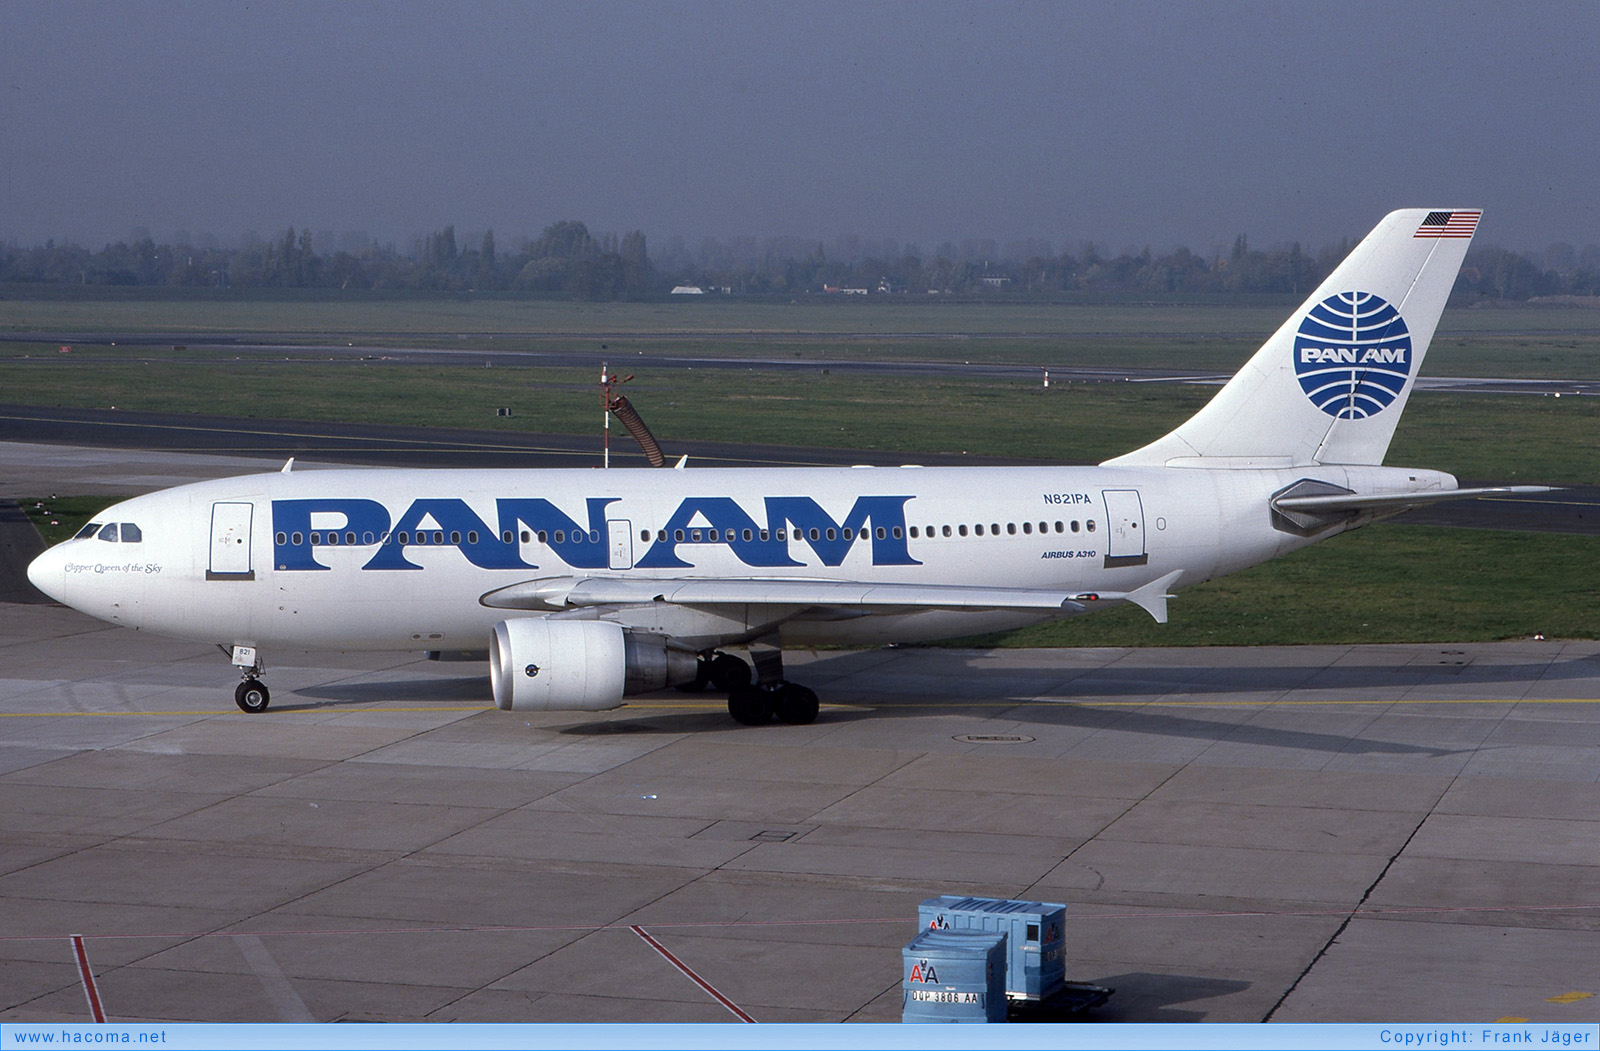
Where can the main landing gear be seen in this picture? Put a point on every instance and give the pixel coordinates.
(788, 701)
(756, 699)
(251, 695)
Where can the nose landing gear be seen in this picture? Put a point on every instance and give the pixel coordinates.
(251, 695)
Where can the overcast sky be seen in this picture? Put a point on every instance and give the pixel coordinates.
(1128, 123)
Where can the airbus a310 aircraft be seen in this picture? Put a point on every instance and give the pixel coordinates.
(589, 586)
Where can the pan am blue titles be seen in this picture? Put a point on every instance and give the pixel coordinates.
(589, 586)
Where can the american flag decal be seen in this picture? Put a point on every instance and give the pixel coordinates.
(1448, 224)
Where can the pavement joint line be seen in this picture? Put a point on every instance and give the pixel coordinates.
(1363, 912)
(1351, 914)
(689, 973)
(90, 991)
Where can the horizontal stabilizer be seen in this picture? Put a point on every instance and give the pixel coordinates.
(1340, 502)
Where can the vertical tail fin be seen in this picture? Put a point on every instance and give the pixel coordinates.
(1329, 386)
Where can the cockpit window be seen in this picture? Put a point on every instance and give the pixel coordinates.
(87, 531)
(109, 532)
(131, 534)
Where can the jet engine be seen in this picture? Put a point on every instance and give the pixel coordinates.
(542, 665)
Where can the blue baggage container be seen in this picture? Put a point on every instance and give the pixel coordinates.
(954, 976)
(1036, 965)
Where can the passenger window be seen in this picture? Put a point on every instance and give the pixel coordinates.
(131, 533)
(109, 533)
(978, 529)
(765, 535)
(661, 535)
(747, 535)
(1074, 525)
(848, 534)
(962, 530)
(814, 535)
(405, 538)
(897, 534)
(832, 535)
(350, 538)
(367, 538)
(87, 531)
(1091, 525)
(455, 536)
(913, 532)
(316, 538)
(946, 530)
(1060, 528)
(281, 539)
(438, 536)
(561, 536)
(1027, 527)
(506, 536)
(472, 537)
(544, 537)
(1011, 528)
(644, 534)
(298, 539)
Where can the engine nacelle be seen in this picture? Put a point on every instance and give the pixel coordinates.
(542, 665)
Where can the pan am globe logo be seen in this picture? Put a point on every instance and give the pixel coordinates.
(1352, 355)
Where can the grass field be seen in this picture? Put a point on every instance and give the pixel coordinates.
(1475, 436)
(1530, 341)
(1387, 583)
(1383, 583)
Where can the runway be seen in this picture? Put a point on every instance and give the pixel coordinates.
(1375, 833)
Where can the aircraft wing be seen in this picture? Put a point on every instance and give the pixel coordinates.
(559, 593)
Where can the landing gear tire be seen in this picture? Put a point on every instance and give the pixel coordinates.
(728, 672)
(252, 696)
(796, 705)
(750, 705)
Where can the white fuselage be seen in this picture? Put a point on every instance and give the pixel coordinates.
(399, 559)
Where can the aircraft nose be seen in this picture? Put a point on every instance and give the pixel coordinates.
(48, 573)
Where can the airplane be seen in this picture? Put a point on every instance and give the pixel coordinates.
(592, 586)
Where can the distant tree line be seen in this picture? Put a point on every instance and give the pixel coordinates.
(567, 261)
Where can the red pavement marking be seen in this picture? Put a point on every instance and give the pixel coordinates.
(695, 978)
(90, 990)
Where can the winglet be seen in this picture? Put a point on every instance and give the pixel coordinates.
(683, 461)
(288, 466)
(1152, 598)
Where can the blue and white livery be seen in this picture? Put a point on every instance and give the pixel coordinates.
(587, 586)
